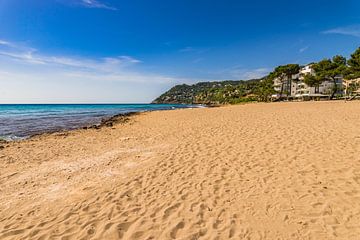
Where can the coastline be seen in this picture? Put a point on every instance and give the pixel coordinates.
(277, 170)
(104, 121)
(124, 117)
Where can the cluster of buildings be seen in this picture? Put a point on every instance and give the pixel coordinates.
(296, 88)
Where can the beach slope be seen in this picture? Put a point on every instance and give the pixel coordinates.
(255, 171)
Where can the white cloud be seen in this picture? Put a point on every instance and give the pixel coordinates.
(2, 42)
(27, 55)
(187, 49)
(193, 50)
(7, 44)
(100, 64)
(197, 60)
(301, 50)
(255, 73)
(131, 77)
(353, 30)
(239, 73)
(28, 75)
(96, 4)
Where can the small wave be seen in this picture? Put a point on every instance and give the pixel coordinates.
(12, 138)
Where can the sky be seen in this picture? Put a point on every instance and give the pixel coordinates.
(107, 51)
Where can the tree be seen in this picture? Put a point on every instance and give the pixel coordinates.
(311, 80)
(354, 65)
(329, 69)
(264, 89)
(284, 74)
(353, 72)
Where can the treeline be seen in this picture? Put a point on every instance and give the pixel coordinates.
(210, 92)
(325, 70)
(232, 92)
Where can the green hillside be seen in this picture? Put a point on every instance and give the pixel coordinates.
(220, 92)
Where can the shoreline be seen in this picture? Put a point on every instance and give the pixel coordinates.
(108, 121)
(105, 121)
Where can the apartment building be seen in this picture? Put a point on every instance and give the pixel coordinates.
(295, 87)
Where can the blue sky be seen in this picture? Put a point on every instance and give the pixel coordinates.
(54, 51)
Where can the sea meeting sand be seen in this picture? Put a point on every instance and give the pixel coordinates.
(255, 171)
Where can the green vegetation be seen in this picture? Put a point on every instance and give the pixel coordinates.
(284, 74)
(264, 89)
(223, 92)
(329, 69)
(311, 80)
(232, 92)
(353, 70)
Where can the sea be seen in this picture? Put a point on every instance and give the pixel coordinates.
(20, 121)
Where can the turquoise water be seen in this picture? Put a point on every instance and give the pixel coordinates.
(23, 120)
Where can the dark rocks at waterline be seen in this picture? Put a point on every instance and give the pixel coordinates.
(117, 119)
(106, 122)
(110, 122)
(3, 143)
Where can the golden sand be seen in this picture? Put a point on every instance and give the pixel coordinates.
(256, 171)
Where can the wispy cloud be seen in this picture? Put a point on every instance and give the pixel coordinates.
(100, 64)
(255, 73)
(6, 43)
(118, 68)
(303, 49)
(187, 49)
(29, 55)
(30, 75)
(352, 30)
(240, 73)
(197, 60)
(97, 4)
(2, 42)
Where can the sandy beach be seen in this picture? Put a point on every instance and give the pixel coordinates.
(254, 171)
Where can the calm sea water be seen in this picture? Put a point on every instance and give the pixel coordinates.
(23, 120)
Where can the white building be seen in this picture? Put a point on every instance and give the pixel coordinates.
(297, 88)
(306, 70)
(287, 85)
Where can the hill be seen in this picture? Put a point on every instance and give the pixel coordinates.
(218, 92)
